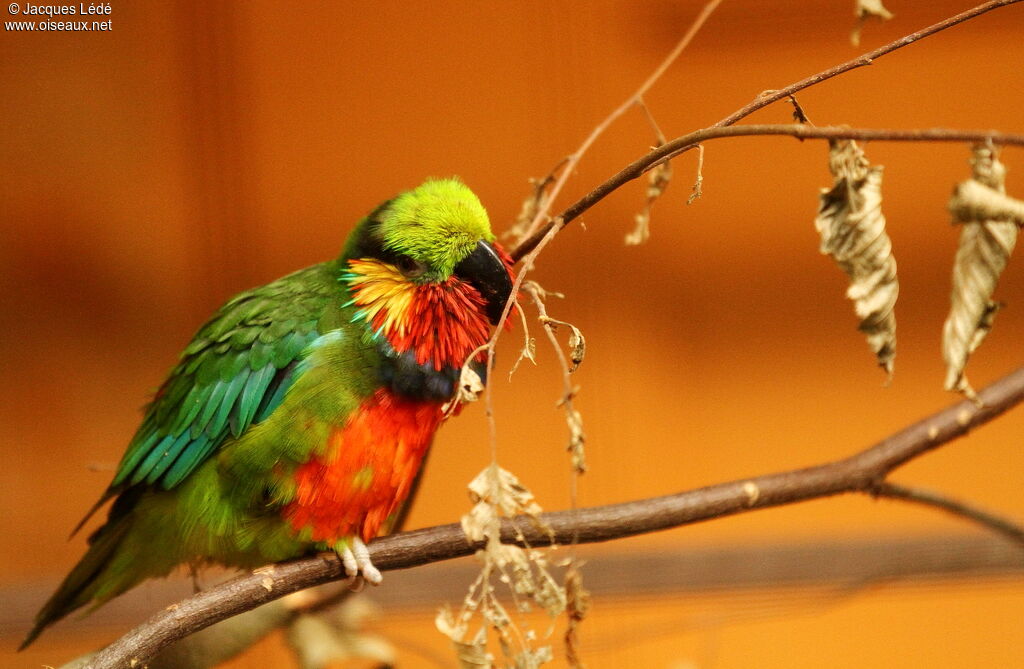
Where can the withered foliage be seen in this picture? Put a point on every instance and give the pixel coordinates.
(988, 234)
(853, 232)
(864, 10)
(497, 494)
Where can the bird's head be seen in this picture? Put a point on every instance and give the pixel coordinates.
(425, 272)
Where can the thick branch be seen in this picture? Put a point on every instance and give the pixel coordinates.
(863, 472)
(673, 148)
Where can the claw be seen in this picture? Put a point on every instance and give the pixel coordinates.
(349, 560)
(355, 556)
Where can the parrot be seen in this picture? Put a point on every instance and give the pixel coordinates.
(297, 419)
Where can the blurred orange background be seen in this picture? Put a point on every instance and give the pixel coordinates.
(199, 149)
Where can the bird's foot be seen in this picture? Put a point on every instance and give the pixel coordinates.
(356, 558)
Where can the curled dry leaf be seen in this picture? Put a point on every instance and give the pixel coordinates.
(864, 10)
(986, 241)
(853, 232)
(974, 201)
(470, 385)
(501, 490)
(799, 115)
(577, 342)
(577, 607)
(577, 347)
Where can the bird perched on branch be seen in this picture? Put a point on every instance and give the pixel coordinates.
(298, 417)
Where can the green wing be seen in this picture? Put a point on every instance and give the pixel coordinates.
(233, 374)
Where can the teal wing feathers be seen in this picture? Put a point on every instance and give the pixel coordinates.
(232, 375)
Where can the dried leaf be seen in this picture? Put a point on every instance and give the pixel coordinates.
(985, 246)
(864, 10)
(577, 342)
(470, 654)
(550, 595)
(658, 180)
(470, 385)
(577, 346)
(799, 115)
(475, 523)
(532, 658)
(577, 607)
(577, 440)
(853, 232)
(974, 201)
(496, 494)
(501, 489)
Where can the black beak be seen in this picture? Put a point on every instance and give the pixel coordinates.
(485, 271)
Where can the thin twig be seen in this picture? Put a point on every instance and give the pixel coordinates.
(537, 231)
(860, 473)
(698, 184)
(576, 595)
(536, 202)
(768, 97)
(679, 145)
(1007, 528)
(570, 165)
(550, 325)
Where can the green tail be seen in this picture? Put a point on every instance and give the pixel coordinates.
(91, 579)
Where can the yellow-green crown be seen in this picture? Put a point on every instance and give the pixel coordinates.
(437, 223)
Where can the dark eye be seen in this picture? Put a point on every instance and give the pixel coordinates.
(410, 267)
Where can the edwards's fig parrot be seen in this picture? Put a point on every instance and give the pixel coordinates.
(298, 417)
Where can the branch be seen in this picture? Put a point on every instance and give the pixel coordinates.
(568, 166)
(864, 472)
(768, 97)
(955, 507)
(680, 145)
(764, 99)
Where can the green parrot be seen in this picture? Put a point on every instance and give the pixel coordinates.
(298, 417)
